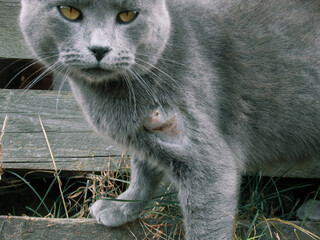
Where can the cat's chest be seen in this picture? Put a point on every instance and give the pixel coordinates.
(144, 127)
(116, 114)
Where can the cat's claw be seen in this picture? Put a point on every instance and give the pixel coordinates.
(112, 214)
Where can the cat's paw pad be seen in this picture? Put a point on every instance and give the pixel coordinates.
(112, 214)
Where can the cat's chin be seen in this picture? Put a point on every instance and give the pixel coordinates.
(96, 70)
(95, 74)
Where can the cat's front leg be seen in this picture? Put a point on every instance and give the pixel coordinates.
(144, 181)
(209, 200)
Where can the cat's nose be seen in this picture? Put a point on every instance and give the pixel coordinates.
(100, 52)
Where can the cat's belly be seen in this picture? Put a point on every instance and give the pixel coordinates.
(271, 150)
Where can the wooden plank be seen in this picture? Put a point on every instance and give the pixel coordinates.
(74, 144)
(63, 144)
(72, 164)
(26, 228)
(12, 44)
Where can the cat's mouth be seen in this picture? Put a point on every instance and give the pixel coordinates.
(96, 74)
(96, 71)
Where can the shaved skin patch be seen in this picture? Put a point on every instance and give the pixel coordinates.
(159, 123)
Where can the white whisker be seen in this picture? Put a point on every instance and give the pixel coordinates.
(161, 71)
(145, 86)
(49, 70)
(25, 68)
(64, 79)
(34, 73)
(132, 96)
(166, 60)
(143, 68)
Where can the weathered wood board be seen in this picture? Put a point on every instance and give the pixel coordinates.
(12, 44)
(26, 228)
(74, 144)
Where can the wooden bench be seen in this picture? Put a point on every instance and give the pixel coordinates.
(76, 148)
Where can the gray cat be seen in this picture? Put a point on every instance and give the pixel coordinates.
(198, 89)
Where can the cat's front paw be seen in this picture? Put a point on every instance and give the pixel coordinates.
(112, 213)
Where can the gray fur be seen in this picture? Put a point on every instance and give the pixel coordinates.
(200, 90)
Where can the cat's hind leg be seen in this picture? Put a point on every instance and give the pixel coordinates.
(128, 205)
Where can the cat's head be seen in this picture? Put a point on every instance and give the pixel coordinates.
(96, 40)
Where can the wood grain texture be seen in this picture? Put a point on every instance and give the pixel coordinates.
(26, 228)
(74, 144)
(12, 44)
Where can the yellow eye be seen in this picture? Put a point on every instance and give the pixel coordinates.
(127, 16)
(70, 13)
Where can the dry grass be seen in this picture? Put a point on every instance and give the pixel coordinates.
(1, 137)
(162, 218)
(275, 228)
